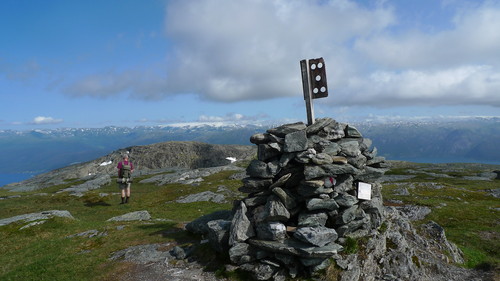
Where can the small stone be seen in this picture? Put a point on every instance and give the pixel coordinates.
(312, 219)
(317, 235)
(283, 130)
(352, 132)
(321, 204)
(296, 141)
(259, 138)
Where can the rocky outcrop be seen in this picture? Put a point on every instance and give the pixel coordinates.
(133, 216)
(36, 218)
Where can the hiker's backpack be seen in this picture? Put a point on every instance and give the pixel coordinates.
(125, 170)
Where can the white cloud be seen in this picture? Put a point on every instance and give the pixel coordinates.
(249, 50)
(474, 38)
(228, 51)
(473, 85)
(42, 120)
(230, 117)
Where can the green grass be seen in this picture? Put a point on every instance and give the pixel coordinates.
(462, 207)
(43, 252)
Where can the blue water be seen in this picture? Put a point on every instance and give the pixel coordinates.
(11, 178)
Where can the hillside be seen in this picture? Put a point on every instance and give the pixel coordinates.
(68, 224)
(147, 159)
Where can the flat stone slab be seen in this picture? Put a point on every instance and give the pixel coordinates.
(45, 215)
(133, 216)
(297, 248)
(143, 254)
(203, 196)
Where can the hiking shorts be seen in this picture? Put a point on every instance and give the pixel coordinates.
(124, 185)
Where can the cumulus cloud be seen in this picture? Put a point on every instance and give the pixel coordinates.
(42, 120)
(226, 51)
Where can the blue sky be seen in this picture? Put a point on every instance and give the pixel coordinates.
(153, 62)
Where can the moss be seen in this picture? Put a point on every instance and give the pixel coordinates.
(383, 227)
(351, 246)
(390, 244)
(415, 261)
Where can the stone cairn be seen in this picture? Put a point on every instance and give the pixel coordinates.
(302, 201)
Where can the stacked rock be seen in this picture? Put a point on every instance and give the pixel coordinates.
(303, 199)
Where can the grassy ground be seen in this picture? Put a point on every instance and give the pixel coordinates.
(464, 208)
(44, 252)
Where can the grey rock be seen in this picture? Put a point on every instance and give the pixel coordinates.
(313, 172)
(350, 148)
(322, 158)
(437, 232)
(313, 188)
(306, 156)
(415, 213)
(132, 216)
(252, 185)
(321, 204)
(334, 131)
(296, 141)
(370, 154)
(205, 196)
(241, 229)
(358, 162)
(347, 215)
(45, 215)
(94, 182)
(283, 130)
(260, 169)
(268, 151)
(320, 252)
(255, 201)
(318, 125)
(143, 254)
(286, 158)
(352, 132)
(344, 183)
(352, 226)
(285, 197)
(346, 200)
(370, 174)
(89, 234)
(218, 235)
(285, 247)
(274, 231)
(275, 210)
(312, 219)
(317, 235)
(332, 149)
(281, 181)
(260, 271)
(375, 160)
(259, 138)
(178, 252)
(241, 253)
(199, 225)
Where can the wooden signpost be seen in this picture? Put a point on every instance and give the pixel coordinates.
(313, 84)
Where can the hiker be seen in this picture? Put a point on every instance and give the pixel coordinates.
(125, 169)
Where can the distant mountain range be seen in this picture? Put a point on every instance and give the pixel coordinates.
(37, 151)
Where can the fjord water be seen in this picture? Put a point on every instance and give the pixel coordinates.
(11, 178)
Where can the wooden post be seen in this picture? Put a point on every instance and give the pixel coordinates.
(307, 92)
